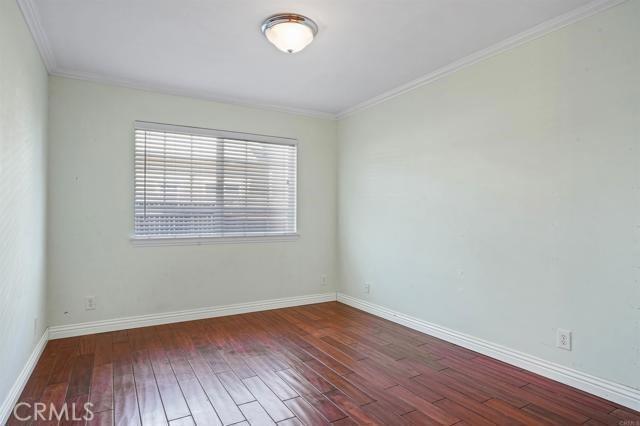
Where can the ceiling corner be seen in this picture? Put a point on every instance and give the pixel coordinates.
(32, 19)
(551, 25)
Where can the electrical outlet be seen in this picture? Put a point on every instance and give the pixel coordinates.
(367, 288)
(323, 280)
(89, 303)
(563, 339)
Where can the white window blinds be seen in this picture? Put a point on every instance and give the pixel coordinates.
(192, 182)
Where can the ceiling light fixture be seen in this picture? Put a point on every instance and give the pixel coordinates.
(289, 32)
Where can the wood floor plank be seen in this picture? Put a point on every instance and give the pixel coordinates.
(64, 364)
(349, 407)
(421, 391)
(493, 374)
(317, 364)
(625, 414)
(217, 393)
(275, 383)
(317, 378)
(291, 422)
(215, 359)
(347, 421)
(460, 411)
(416, 418)
(150, 404)
(442, 384)
(237, 364)
(199, 405)
(305, 412)
(549, 404)
(548, 415)
(378, 393)
(103, 349)
(183, 421)
(515, 413)
(53, 396)
(378, 411)
(346, 349)
(149, 401)
(485, 387)
(77, 411)
(549, 384)
(175, 406)
(327, 360)
(587, 410)
(103, 418)
(423, 406)
(269, 400)
(80, 376)
(312, 395)
(471, 404)
(32, 392)
(338, 382)
(101, 392)
(255, 414)
(237, 390)
(125, 400)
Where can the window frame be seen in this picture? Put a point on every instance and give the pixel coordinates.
(168, 240)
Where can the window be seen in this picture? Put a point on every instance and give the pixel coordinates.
(192, 182)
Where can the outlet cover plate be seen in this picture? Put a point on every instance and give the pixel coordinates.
(563, 339)
(90, 303)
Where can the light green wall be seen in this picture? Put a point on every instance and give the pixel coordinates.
(91, 211)
(23, 120)
(503, 201)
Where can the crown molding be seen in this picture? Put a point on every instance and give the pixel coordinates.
(34, 23)
(191, 93)
(32, 18)
(531, 34)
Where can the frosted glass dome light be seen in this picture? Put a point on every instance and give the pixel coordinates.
(288, 32)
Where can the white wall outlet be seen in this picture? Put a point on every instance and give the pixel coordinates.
(89, 303)
(563, 339)
(323, 280)
(367, 288)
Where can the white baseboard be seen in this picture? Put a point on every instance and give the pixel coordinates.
(23, 377)
(61, 331)
(621, 394)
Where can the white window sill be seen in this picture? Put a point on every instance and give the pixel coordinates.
(198, 241)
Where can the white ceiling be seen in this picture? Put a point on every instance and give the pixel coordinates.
(214, 48)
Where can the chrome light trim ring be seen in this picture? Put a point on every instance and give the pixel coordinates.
(281, 18)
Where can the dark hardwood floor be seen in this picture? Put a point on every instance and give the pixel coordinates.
(317, 364)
